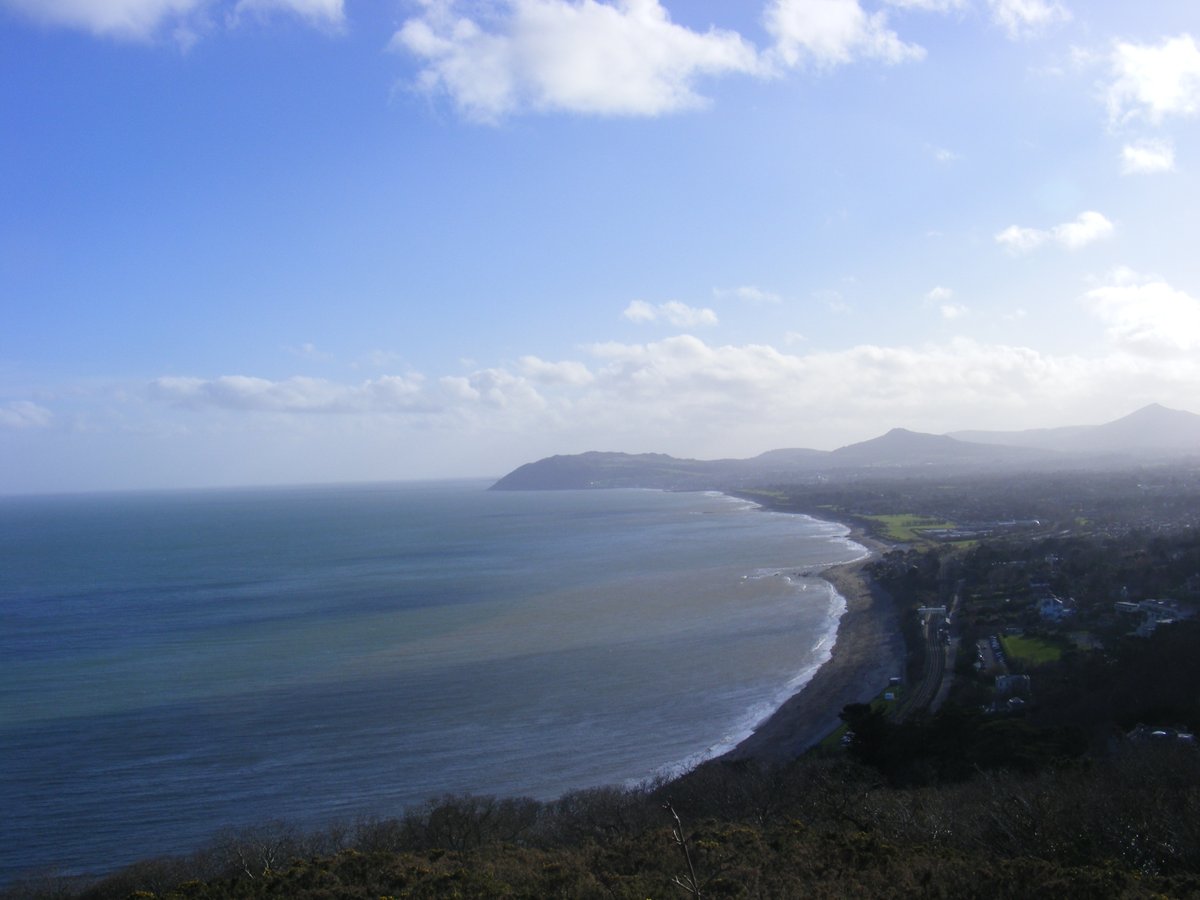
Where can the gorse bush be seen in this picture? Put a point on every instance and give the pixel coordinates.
(1128, 826)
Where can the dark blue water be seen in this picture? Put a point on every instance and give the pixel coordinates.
(171, 663)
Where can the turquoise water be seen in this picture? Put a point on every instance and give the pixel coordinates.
(171, 663)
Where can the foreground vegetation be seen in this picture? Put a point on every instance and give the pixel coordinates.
(1127, 826)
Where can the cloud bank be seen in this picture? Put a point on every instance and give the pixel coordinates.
(390, 393)
(145, 19)
(685, 395)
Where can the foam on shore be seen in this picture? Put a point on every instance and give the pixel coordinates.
(868, 649)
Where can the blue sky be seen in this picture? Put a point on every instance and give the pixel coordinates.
(280, 241)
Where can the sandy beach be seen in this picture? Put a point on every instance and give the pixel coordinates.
(869, 649)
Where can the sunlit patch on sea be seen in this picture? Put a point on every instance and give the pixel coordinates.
(171, 663)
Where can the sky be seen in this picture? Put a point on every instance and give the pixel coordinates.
(295, 241)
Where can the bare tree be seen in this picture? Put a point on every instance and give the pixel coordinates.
(687, 882)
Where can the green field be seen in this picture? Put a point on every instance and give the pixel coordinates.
(1032, 651)
(906, 528)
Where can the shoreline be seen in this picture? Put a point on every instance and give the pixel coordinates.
(868, 649)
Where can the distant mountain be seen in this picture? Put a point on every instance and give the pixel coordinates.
(898, 449)
(790, 457)
(903, 448)
(1152, 431)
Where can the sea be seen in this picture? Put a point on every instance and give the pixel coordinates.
(174, 663)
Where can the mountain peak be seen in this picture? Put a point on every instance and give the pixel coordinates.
(1153, 430)
(1154, 411)
(899, 437)
(902, 447)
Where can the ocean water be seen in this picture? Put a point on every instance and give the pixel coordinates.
(172, 663)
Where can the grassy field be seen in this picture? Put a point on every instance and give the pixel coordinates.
(1032, 651)
(906, 528)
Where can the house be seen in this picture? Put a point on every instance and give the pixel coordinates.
(1052, 609)
(1153, 613)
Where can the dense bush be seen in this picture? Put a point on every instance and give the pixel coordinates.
(1128, 826)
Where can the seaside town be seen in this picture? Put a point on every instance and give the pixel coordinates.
(1012, 592)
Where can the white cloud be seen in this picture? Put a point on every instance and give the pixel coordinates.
(675, 313)
(567, 372)
(494, 388)
(388, 393)
(640, 311)
(953, 311)
(1147, 315)
(1148, 157)
(21, 414)
(1154, 81)
(1090, 226)
(939, 294)
(1019, 239)
(683, 316)
(407, 396)
(942, 155)
(829, 33)
(1025, 18)
(622, 58)
(145, 19)
(748, 294)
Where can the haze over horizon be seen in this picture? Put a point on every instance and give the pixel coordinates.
(281, 241)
